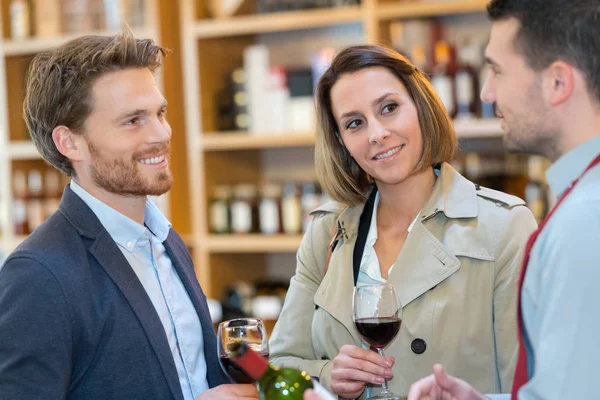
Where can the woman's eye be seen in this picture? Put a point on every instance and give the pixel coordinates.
(133, 121)
(389, 108)
(353, 124)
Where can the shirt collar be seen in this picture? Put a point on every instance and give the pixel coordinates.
(570, 166)
(123, 230)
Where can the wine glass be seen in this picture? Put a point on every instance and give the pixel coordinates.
(248, 330)
(377, 315)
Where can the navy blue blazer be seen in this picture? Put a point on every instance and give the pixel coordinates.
(76, 323)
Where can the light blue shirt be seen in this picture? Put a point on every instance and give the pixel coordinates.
(143, 248)
(561, 291)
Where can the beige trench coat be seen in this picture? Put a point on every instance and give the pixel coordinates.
(456, 277)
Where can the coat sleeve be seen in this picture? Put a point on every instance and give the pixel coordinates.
(35, 335)
(291, 342)
(511, 239)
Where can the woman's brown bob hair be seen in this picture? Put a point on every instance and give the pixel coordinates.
(339, 175)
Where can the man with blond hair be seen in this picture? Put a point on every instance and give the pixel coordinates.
(101, 301)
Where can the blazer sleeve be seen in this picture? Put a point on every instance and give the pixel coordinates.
(35, 335)
(291, 342)
(512, 237)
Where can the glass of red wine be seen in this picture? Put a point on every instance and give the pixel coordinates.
(377, 315)
(249, 330)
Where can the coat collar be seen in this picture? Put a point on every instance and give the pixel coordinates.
(452, 194)
(424, 261)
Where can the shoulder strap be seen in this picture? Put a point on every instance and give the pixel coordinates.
(338, 231)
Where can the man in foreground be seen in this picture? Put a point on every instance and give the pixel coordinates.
(545, 81)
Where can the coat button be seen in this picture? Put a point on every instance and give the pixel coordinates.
(418, 346)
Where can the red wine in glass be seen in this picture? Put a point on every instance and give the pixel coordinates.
(378, 332)
(236, 373)
(377, 315)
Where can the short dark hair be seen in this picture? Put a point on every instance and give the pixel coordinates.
(338, 173)
(60, 81)
(551, 30)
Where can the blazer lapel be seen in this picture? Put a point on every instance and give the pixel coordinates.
(185, 270)
(423, 263)
(105, 250)
(110, 258)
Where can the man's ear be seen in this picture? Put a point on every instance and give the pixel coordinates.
(560, 82)
(68, 143)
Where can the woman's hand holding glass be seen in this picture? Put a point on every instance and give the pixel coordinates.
(354, 368)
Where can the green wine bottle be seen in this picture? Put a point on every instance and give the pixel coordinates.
(274, 383)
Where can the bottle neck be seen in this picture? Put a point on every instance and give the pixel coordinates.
(252, 363)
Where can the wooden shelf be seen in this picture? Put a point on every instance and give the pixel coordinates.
(35, 45)
(429, 8)
(23, 150)
(276, 22)
(224, 141)
(478, 128)
(244, 140)
(252, 243)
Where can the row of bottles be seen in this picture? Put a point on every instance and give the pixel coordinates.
(455, 64)
(271, 99)
(519, 175)
(48, 18)
(457, 76)
(268, 209)
(36, 195)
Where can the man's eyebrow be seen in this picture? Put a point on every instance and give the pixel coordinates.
(138, 112)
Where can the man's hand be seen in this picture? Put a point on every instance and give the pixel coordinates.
(354, 367)
(231, 392)
(441, 386)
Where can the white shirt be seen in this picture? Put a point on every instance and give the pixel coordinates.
(370, 270)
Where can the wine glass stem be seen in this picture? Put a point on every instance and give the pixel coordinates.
(384, 386)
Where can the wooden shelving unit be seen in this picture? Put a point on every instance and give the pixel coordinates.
(225, 141)
(274, 22)
(242, 140)
(420, 9)
(23, 150)
(213, 46)
(251, 243)
(35, 45)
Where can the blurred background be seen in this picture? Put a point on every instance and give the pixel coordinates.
(239, 82)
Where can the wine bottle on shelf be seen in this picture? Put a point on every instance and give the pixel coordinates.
(20, 27)
(35, 205)
(52, 192)
(20, 203)
(274, 383)
(442, 79)
(466, 82)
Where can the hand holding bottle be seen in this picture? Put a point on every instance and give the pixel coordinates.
(274, 383)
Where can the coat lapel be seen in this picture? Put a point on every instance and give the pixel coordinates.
(334, 295)
(423, 263)
(185, 270)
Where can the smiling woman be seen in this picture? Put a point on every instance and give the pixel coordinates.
(402, 215)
